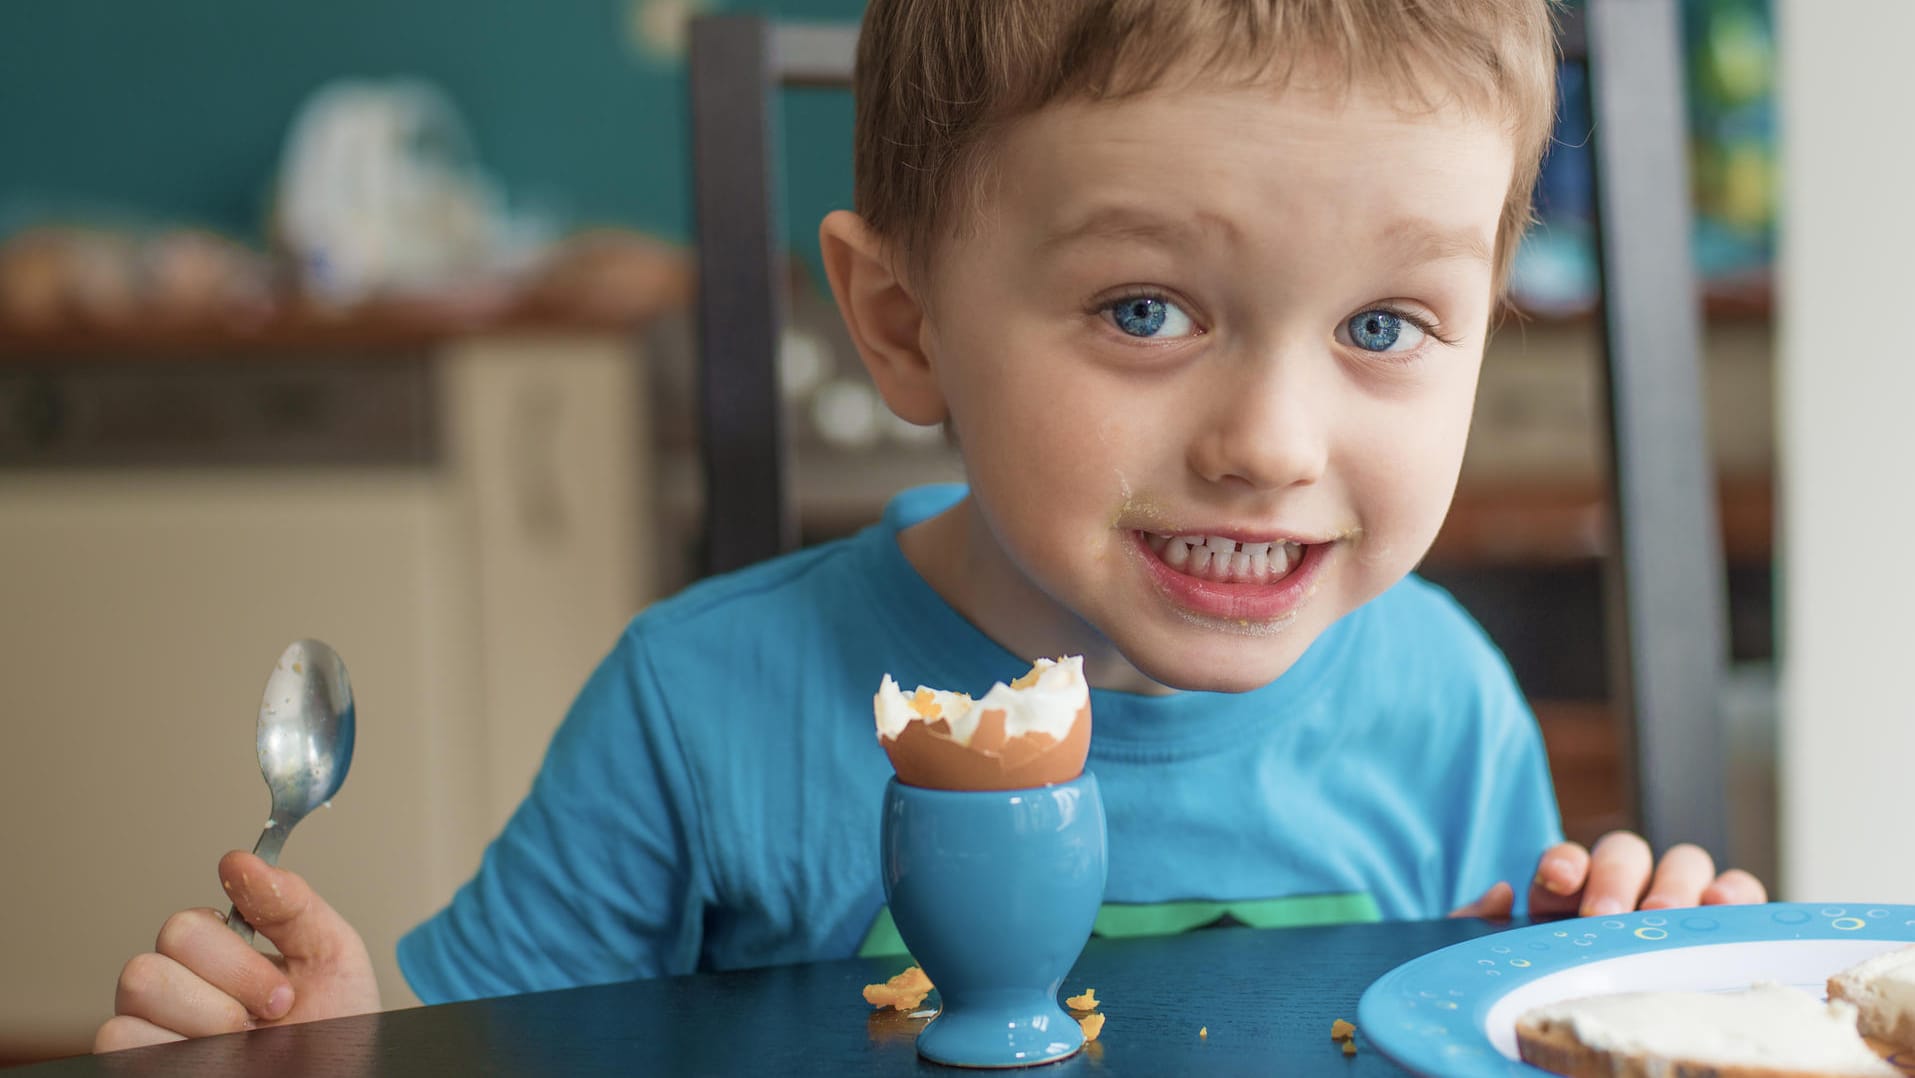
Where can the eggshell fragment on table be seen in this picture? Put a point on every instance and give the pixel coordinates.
(1092, 1025)
(903, 992)
(1034, 731)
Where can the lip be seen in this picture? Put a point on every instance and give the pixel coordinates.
(1257, 603)
(1242, 535)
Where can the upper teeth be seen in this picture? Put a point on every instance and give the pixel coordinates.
(1216, 555)
(1217, 544)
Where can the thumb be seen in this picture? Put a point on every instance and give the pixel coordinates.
(286, 910)
(1496, 904)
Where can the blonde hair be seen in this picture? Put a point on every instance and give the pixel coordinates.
(936, 77)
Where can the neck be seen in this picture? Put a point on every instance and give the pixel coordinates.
(959, 556)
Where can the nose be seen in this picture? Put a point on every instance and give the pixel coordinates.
(1267, 426)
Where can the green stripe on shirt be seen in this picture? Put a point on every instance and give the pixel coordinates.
(1125, 920)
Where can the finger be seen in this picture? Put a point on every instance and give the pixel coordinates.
(1558, 886)
(1735, 888)
(1496, 904)
(201, 941)
(1686, 870)
(1562, 868)
(284, 909)
(1619, 868)
(123, 1031)
(167, 994)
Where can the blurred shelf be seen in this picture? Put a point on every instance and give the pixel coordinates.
(374, 328)
(1724, 302)
(1534, 523)
(836, 491)
(1584, 743)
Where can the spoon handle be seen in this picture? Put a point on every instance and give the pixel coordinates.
(266, 849)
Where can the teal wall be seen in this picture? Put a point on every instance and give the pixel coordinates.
(174, 110)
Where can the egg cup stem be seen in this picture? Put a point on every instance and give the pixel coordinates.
(994, 894)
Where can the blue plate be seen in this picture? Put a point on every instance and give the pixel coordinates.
(1452, 1013)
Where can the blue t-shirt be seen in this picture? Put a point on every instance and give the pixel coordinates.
(711, 800)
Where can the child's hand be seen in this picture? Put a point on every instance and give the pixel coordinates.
(1616, 876)
(204, 979)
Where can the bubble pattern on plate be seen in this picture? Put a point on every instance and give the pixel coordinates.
(1462, 982)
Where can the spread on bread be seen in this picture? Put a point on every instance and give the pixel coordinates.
(1767, 1029)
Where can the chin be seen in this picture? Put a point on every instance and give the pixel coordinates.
(1202, 666)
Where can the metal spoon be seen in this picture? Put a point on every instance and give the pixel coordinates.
(304, 741)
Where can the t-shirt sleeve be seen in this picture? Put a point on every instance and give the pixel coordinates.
(1512, 815)
(594, 877)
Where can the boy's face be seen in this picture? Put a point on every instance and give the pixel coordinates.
(1233, 315)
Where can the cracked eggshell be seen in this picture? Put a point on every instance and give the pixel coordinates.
(981, 753)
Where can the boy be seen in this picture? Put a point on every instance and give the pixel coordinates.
(1201, 290)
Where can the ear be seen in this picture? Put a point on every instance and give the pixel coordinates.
(885, 319)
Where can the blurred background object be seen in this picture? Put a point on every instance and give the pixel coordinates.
(1730, 86)
(53, 278)
(380, 191)
(1846, 382)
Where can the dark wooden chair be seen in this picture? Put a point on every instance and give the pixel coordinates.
(1668, 605)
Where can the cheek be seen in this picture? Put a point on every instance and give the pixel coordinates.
(1404, 474)
(1047, 466)
(1051, 484)
(1028, 414)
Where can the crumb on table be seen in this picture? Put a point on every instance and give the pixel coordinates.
(1093, 1025)
(902, 993)
(1085, 1002)
(1203, 1032)
(1349, 1047)
(1341, 1030)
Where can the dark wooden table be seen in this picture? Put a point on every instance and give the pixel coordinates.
(1267, 996)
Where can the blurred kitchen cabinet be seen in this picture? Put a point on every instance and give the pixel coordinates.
(470, 592)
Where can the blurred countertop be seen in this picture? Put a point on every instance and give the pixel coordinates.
(78, 295)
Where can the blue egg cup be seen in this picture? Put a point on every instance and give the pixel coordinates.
(994, 893)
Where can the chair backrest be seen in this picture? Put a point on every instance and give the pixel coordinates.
(738, 65)
(1669, 608)
(1669, 604)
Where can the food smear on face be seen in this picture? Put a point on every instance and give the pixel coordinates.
(1034, 731)
(901, 993)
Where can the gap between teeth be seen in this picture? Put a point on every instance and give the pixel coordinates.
(1216, 558)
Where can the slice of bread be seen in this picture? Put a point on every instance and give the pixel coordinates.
(1767, 1031)
(1883, 992)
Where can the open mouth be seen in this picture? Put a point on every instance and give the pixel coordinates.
(1251, 584)
(1226, 561)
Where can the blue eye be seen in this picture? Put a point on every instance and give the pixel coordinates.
(1149, 317)
(1383, 331)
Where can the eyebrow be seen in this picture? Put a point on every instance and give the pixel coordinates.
(1419, 241)
(1130, 223)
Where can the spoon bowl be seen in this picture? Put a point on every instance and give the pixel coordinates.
(304, 742)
